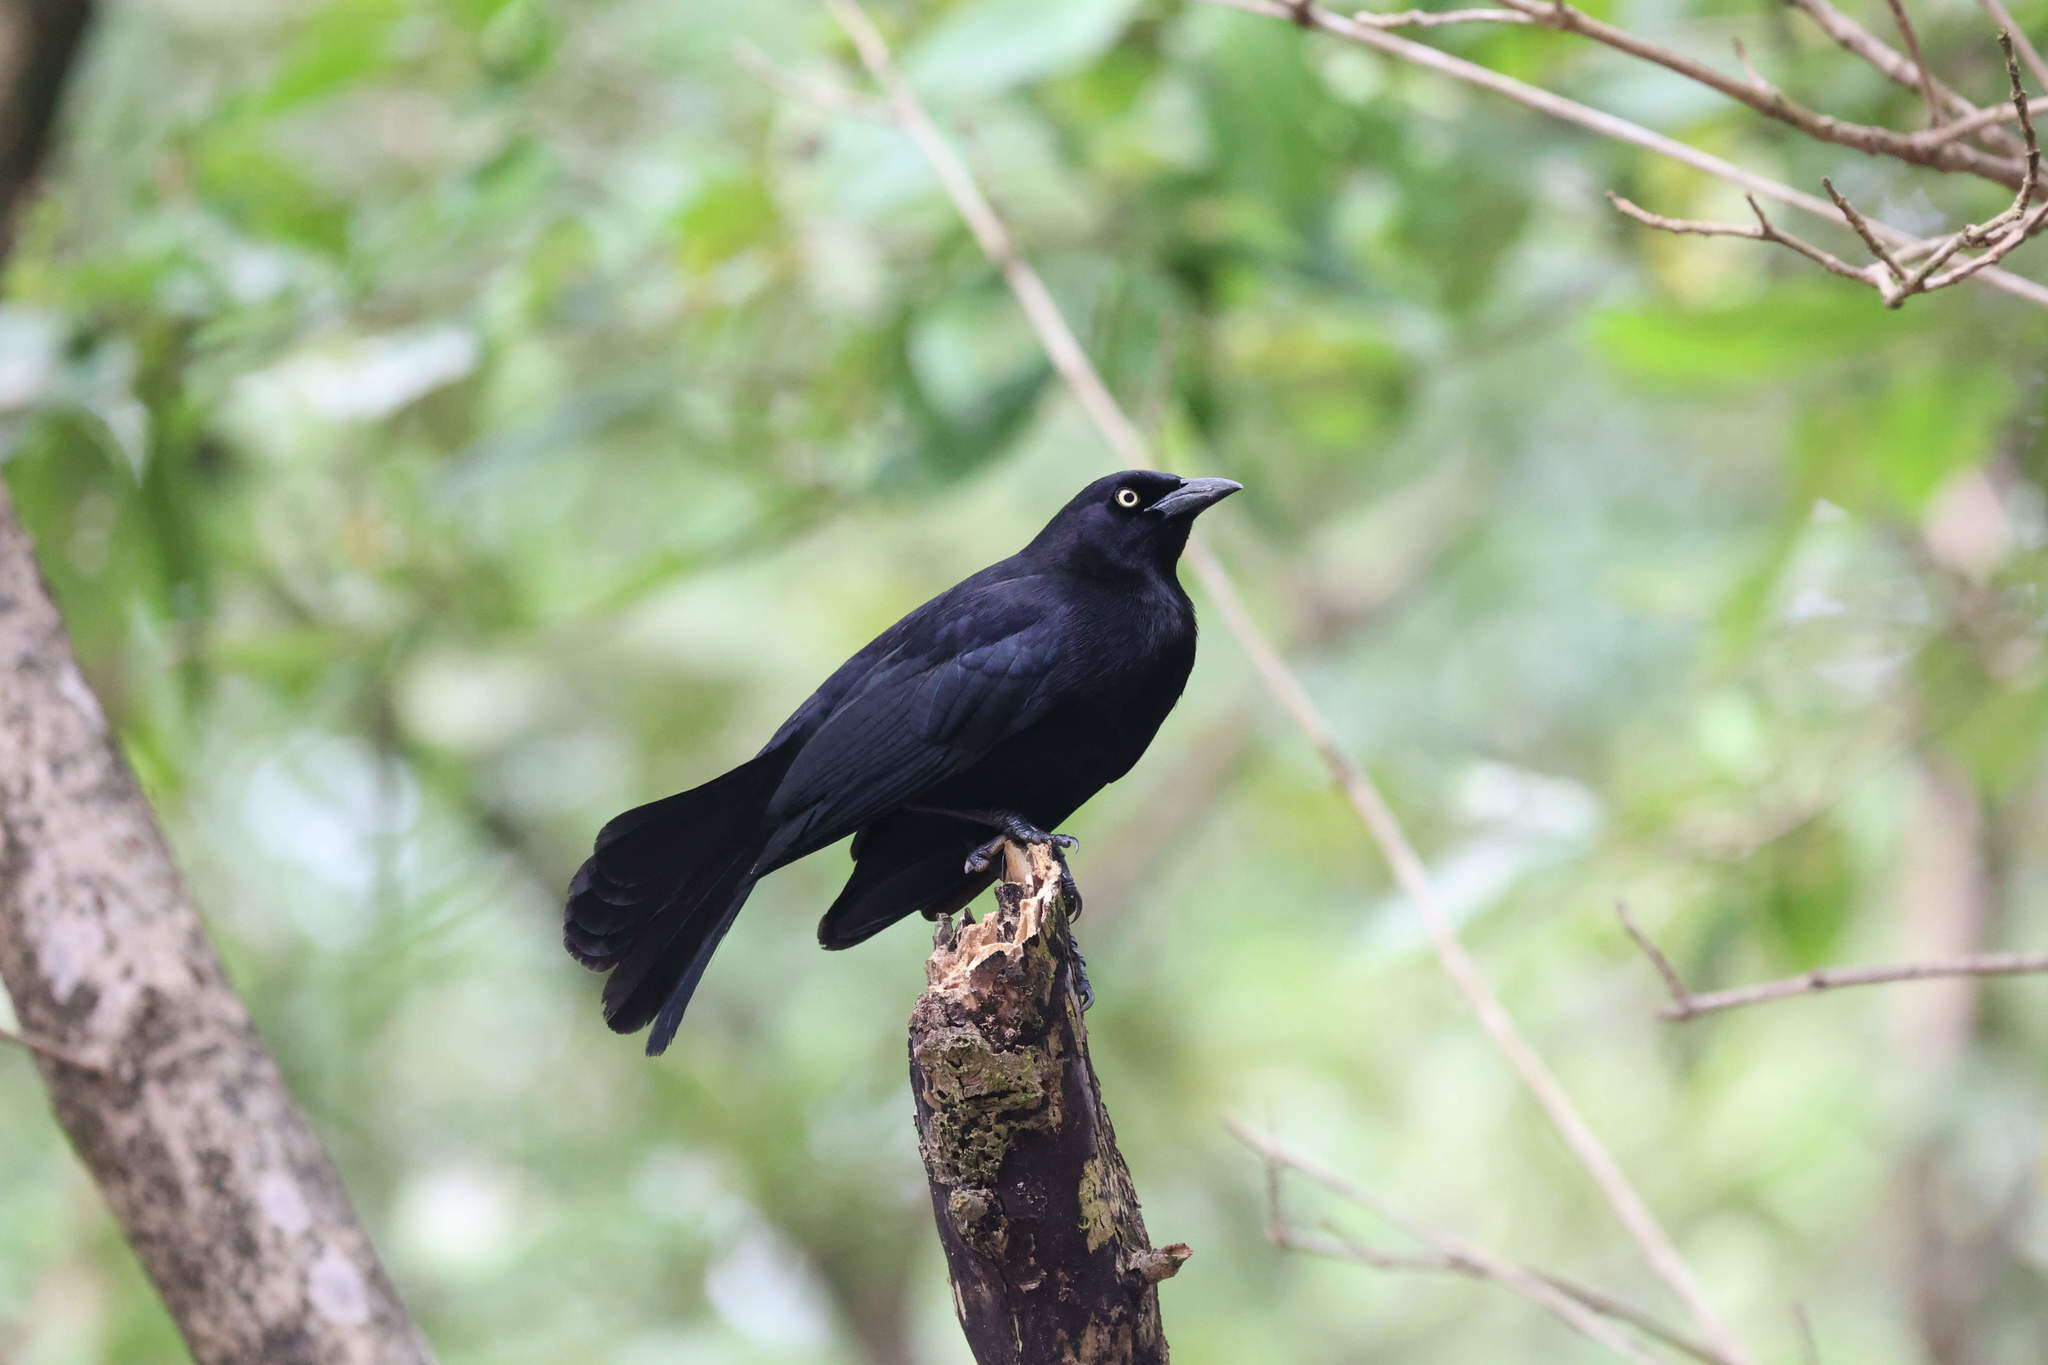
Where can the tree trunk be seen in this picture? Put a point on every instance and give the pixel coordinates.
(152, 1064)
(38, 48)
(1040, 1223)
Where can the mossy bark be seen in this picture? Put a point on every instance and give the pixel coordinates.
(1043, 1237)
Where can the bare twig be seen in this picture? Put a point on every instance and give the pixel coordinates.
(1425, 18)
(1834, 978)
(1123, 437)
(1919, 61)
(1756, 78)
(2031, 162)
(1934, 149)
(1809, 1344)
(1861, 226)
(1984, 118)
(1999, 235)
(1996, 237)
(1685, 1004)
(2002, 17)
(1893, 65)
(1605, 124)
(1451, 1252)
(1773, 103)
(1764, 231)
(825, 95)
(54, 1051)
(1673, 982)
(1335, 1245)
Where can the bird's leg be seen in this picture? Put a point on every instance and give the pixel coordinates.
(1015, 829)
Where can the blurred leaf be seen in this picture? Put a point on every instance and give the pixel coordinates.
(724, 219)
(266, 193)
(1998, 740)
(1808, 892)
(1887, 447)
(985, 47)
(343, 44)
(1785, 333)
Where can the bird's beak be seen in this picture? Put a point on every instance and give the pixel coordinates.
(1193, 495)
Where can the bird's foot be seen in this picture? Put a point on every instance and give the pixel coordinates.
(1017, 830)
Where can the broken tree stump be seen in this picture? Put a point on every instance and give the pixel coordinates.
(1044, 1241)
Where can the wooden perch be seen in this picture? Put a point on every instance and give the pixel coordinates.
(153, 1066)
(1043, 1237)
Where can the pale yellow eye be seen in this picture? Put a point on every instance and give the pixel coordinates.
(1127, 497)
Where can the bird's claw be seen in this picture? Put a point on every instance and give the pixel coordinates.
(1082, 986)
(984, 855)
(1017, 831)
(1069, 889)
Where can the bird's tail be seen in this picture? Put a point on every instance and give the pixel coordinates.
(661, 888)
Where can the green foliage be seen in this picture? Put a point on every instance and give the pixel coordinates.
(447, 424)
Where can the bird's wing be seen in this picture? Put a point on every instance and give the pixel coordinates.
(928, 708)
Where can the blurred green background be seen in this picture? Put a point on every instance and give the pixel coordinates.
(448, 422)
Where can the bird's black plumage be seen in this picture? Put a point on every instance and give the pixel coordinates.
(999, 706)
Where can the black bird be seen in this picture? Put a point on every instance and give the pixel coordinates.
(1000, 705)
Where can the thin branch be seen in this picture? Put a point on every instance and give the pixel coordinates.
(53, 1051)
(1998, 251)
(1764, 231)
(2002, 17)
(1984, 118)
(1425, 18)
(1756, 78)
(1338, 1247)
(1861, 226)
(1809, 1344)
(835, 99)
(1775, 104)
(1685, 1004)
(1892, 64)
(1599, 121)
(1919, 61)
(1835, 978)
(2031, 162)
(1117, 430)
(1996, 237)
(1452, 1253)
(1673, 982)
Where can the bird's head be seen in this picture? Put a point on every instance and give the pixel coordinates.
(1138, 519)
